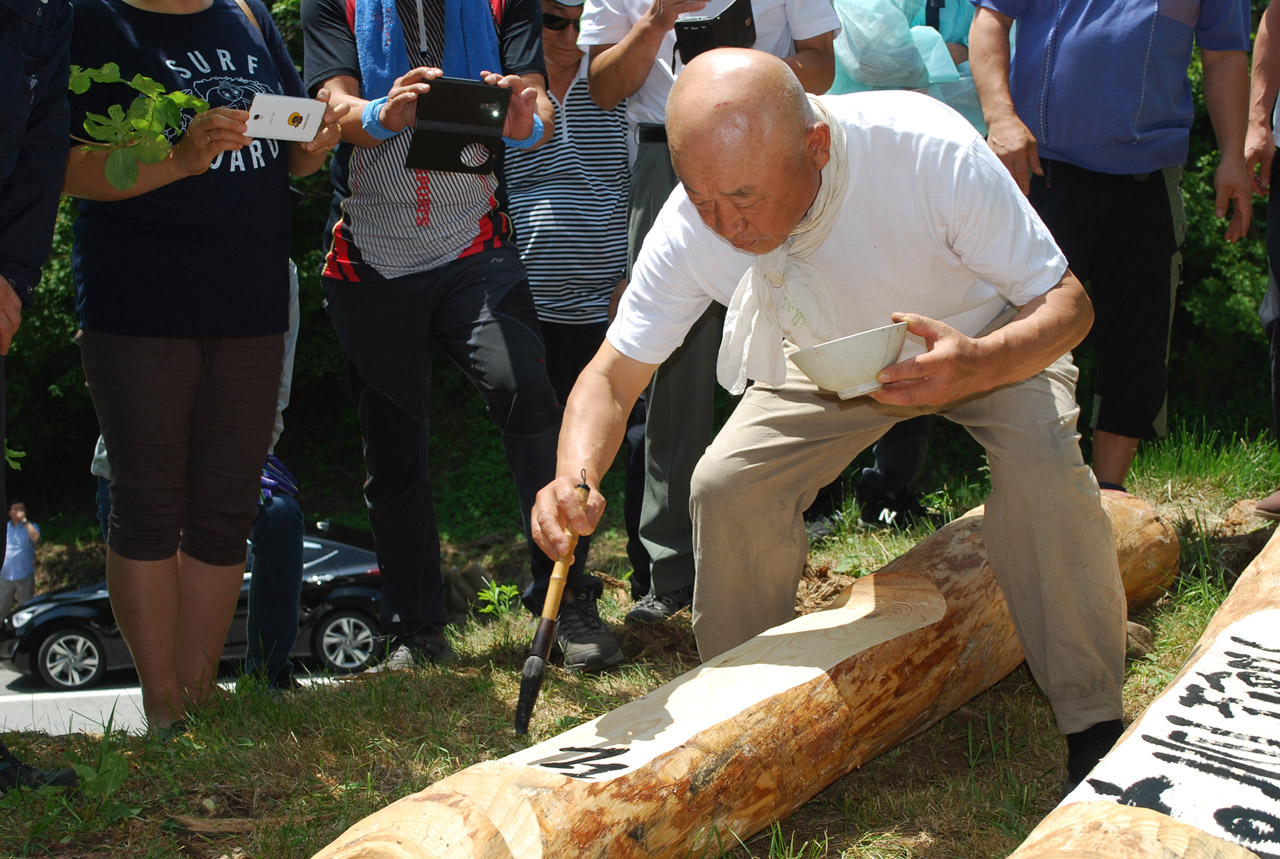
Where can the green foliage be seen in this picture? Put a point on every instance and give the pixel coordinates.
(50, 416)
(1218, 367)
(496, 599)
(13, 458)
(139, 133)
(100, 784)
(288, 17)
(782, 847)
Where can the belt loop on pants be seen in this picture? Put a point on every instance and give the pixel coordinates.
(650, 132)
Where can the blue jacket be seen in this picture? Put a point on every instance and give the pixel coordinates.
(35, 43)
(1103, 83)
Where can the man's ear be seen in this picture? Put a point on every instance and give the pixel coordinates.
(817, 144)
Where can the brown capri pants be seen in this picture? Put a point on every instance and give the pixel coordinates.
(187, 424)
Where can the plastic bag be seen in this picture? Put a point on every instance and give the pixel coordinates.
(875, 48)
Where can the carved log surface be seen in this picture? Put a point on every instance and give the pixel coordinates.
(751, 736)
(1204, 753)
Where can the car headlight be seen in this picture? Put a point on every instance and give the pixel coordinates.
(22, 617)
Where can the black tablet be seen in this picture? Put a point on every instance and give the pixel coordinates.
(734, 27)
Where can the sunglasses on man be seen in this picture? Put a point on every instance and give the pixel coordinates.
(558, 22)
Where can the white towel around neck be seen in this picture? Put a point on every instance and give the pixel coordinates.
(751, 347)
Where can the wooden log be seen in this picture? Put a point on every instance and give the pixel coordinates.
(748, 737)
(1104, 830)
(1198, 774)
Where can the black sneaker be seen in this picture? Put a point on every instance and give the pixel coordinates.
(283, 683)
(587, 644)
(14, 773)
(899, 510)
(655, 608)
(821, 527)
(413, 651)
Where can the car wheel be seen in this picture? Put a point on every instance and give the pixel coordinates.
(344, 641)
(71, 658)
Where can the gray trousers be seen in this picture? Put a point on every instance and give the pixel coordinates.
(23, 589)
(1046, 534)
(679, 420)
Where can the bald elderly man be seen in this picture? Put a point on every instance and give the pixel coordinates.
(814, 218)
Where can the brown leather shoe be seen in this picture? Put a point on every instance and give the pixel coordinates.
(1269, 507)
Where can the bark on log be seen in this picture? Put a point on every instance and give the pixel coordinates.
(752, 735)
(1198, 774)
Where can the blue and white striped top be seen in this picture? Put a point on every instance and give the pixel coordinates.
(568, 201)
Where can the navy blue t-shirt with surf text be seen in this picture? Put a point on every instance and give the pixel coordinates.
(206, 256)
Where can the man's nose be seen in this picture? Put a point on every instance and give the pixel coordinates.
(728, 220)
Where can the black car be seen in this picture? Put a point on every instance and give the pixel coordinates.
(69, 637)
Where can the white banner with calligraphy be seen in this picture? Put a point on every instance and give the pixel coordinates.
(1207, 752)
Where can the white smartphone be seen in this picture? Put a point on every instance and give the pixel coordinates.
(285, 117)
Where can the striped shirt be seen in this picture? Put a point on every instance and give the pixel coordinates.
(387, 218)
(568, 201)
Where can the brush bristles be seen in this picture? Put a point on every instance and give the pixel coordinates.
(535, 667)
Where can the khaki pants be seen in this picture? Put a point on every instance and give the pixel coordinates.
(1046, 534)
(19, 589)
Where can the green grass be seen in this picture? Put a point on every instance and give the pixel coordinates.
(257, 777)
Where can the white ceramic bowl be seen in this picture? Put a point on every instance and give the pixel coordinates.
(849, 365)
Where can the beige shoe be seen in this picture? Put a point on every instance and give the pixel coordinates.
(1139, 641)
(1269, 507)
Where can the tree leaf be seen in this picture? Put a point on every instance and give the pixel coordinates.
(116, 112)
(168, 114)
(188, 101)
(108, 74)
(146, 85)
(152, 149)
(79, 81)
(99, 129)
(122, 169)
(141, 109)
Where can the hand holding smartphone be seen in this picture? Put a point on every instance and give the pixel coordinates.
(285, 117)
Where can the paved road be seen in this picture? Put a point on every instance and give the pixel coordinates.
(28, 705)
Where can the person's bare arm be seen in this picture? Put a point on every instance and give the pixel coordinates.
(595, 420)
(10, 314)
(1226, 95)
(1260, 145)
(615, 297)
(545, 108)
(1008, 135)
(814, 62)
(397, 114)
(956, 365)
(528, 96)
(617, 71)
(528, 93)
(209, 134)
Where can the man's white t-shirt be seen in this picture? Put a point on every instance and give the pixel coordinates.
(932, 223)
(779, 24)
